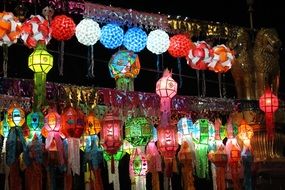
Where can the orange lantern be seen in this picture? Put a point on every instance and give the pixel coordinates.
(245, 133)
(268, 103)
(92, 125)
(111, 134)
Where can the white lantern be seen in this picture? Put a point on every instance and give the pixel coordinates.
(157, 41)
(88, 32)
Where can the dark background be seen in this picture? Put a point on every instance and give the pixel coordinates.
(266, 14)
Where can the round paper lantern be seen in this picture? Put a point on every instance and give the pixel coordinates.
(10, 29)
(199, 56)
(157, 41)
(138, 131)
(179, 45)
(63, 27)
(112, 36)
(92, 125)
(135, 39)
(36, 30)
(87, 32)
(269, 103)
(222, 60)
(111, 134)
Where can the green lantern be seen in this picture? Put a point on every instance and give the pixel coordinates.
(40, 61)
(138, 131)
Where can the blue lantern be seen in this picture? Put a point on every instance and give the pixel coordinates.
(135, 39)
(112, 36)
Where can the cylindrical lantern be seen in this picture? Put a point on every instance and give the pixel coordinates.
(138, 131)
(124, 66)
(40, 62)
(112, 36)
(87, 32)
(166, 88)
(269, 103)
(111, 134)
(135, 39)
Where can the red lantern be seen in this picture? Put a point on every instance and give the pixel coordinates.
(111, 133)
(63, 27)
(199, 56)
(72, 123)
(268, 103)
(179, 46)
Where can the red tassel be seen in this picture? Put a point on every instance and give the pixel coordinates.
(67, 181)
(15, 182)
(98, 179)
(33, 177)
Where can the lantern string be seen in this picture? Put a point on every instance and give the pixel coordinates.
(203, 84)
(220, 84)
(224, 85)
(61, 58)
(157, 66)
(91, 62)
(5, 59)
(198, 81)
(179, 71)
(162, 66)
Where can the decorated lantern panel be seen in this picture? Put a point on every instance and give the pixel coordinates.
(111, 134)
(72, 123)
(185, 126)
(35, 122)
(138, 131)
(167, 142)
(92, 124)
(138, 163)
(16, 115)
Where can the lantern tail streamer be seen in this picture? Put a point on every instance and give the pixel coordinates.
(203, 84)
(74, 155)
(91, 62)
(39, 90)
(180, 75)
(15, 182)
(157, 66)
(198, 81)
(33, 176)
(202, 160)
(61, 60)
(5, 60)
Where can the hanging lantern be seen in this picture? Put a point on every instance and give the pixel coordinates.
(185, 127)
(124, 66)
(245, 133)
(111, 134)
(40, 62)
(36, 30)
(63, 27)
(35, 122)
(222, 60)
(112, 36)
(167, 145)
(9, 28)
(92, 125)
(166, 89)
(179, 46)
(72, 123)
(16, 115)
(138, 131)
(199, 56)
(4, 129)
(51, 131)
(135, 39)
(87, 32)
(269, 103)
(157, 41)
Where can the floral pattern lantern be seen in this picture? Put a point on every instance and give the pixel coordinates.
(135, 39)
(63, 27)
(124, 66)
(87, 32)
(269, 103)
(179, 46)
(166, 89)
(138, 131)
(112, 36)
(157, 41)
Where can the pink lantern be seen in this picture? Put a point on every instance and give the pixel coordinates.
(166, 88)
(179, 46)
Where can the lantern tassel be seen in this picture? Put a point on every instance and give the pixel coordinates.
(198, 81)
(5, 60)
(112, 165)
(91, 63)
(202, 160)
(180, 75)
(220, 84)
(157, 66)
(39, 91)
(74, 155)
(61, 61)
(269, 122)
(203, 84)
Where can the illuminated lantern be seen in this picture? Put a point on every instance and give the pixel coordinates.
(166, 89)
(40, 62)
(63, 27)
(111, 135)
(87, 32)
(10, 31)
(204, 138)
(269, 103)
(199, 56)
(234, 159)
(35, 122)
(112, 36)
(124, 66)
(4, 131)
(167, 145)
(138, 168)
(179, 46)
(72, 127)
(36, 30)
(51, 131)
(185, 128)
(157, 41)
(138, 131)
(135, 39)
(92, 125)
(245, 133)
(222, 60)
